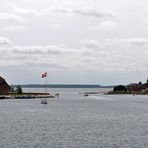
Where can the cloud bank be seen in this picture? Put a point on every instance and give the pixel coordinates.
(107, 55)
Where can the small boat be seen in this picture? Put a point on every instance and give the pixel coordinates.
(44, 101)
(85, 95)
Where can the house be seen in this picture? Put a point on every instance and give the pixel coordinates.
(4, 87)
(135, 87)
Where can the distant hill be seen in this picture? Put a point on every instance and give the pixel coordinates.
(63, 86)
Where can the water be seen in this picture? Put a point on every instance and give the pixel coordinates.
(75, 121)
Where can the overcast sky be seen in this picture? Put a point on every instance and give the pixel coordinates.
(76, 41)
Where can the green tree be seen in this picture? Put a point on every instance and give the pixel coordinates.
(19, 89)
(120, 88)
(12, 89)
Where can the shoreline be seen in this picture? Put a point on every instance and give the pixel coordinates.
(129, 93)
(26, 95)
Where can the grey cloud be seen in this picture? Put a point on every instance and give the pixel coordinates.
(103, 25)
(91, 44)
(13, 28)
(107, 55)
(4, 41)
(36, 50)
(133, 44)
(76, 8)
(60, 10)
(129, 40)
(123, 54)
(21, 11)
(93, 12)
(9, 16)
(28, 12)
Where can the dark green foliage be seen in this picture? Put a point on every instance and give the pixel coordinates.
(19, 89)
(12, 89)
(120, 88)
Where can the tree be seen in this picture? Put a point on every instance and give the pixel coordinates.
(19, 89)
(120, 88)
(12, 89)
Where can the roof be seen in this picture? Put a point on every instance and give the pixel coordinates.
(4, 87)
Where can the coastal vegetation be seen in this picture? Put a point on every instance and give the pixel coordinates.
(120, 88)
(16, 90)
(19, 89)
(132, 88)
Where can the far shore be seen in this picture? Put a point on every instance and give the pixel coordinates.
(128, 93)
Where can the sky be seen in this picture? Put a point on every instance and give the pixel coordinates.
(75, 41)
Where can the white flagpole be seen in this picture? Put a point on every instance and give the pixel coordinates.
(45, 82)
(44, 76)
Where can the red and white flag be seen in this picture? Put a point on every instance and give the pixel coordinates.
(44, 75)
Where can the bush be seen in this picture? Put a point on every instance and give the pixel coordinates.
(19, 89)
(120, 88)
(12, 89)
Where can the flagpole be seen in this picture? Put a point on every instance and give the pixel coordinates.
(45, 83)
(44, 76)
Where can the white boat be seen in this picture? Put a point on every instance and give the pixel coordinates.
(44, 101)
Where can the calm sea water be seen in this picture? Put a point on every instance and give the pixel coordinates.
(75, 121)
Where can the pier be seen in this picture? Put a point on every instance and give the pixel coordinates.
(26, 96)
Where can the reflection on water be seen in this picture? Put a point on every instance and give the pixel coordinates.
(73, 120)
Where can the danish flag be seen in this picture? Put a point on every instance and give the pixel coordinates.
(44, 75)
